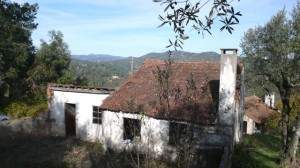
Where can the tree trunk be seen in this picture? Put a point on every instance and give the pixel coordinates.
(285, 121)
(295, 140)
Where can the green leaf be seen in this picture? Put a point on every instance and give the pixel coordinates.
(229, 30)
(162, 24)
(238, 13)
(184, 37)
(160, 18)
(186, 6)
(222, 28)
(167, 7)
(211, 12)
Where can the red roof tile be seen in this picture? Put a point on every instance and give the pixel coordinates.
(256, 109)
(140, 92)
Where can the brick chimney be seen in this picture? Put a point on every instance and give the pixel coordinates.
(227, 88)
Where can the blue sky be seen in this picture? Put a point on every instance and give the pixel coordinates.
(129, 27)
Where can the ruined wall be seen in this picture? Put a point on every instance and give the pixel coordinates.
(28, 126)
(154, 139)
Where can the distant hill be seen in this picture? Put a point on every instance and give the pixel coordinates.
(176, 55)
(97, 57)
(98, 73)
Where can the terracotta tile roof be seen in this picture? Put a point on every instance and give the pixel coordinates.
(140, 92)
(256, 109)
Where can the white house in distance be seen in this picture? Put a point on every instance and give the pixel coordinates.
(201, 103)
(256, 112)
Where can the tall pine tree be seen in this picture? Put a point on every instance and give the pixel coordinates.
(16, 48)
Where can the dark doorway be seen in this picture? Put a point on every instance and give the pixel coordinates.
(70, 119)
(245, 127)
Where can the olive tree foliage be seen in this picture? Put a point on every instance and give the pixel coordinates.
(16, 48)
(273, 54)
(52, 60)
(184, 15)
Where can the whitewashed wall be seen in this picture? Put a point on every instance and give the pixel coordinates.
(239, 111)
(250, 125)
(270, 99)
(84, 102)
(154, 133)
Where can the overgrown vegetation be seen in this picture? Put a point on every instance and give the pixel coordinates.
(189, 98)
(26, 151)
(272, 124)
(58, 152)
(18, 109)
(257, 150)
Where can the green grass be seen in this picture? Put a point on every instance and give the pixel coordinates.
(258, 150)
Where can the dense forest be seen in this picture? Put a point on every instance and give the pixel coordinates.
(98, 74)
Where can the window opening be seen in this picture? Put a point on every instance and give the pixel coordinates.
(178, 133)
(97, 115)
(132, 128)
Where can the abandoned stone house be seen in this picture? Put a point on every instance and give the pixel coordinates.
(199, 102)
(256, 112)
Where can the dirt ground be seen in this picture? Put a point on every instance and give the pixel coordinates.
(27, 142)
(50, 151)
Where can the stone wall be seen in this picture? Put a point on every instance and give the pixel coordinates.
(28, 126)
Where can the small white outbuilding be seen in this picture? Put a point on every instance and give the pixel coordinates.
(74, 110)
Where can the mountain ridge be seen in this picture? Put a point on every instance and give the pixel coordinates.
(97, 57)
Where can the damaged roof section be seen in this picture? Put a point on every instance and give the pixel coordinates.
(193, 92)
(79, 89)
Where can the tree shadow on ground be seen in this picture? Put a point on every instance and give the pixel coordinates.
(258, 150)
(25, 151)
(58, 152)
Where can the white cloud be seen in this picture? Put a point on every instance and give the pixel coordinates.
(58, 13)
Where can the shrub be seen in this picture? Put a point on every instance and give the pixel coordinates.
(18, 109)
(272, 124)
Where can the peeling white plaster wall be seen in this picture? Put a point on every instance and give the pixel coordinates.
(228, 68)
(154, 133)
